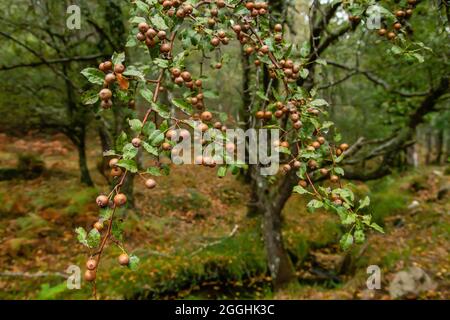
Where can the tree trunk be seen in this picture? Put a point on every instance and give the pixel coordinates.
(439, 146)
(270, 206)
(82, 161)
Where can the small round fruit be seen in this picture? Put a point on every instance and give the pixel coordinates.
(268, 115)
(324, 171)
(105, 94)
(136, 142)
(107, 65)
(89, 275)
(165, 48)
(344, 147)
(278, 27)
(259, 115)
(143, 27)
(116, 172)
(186, 76)
(102, 201)
(297, 164)
(106, 104)
(303, 183)
(397, 26)
(284, 144)
(161, 35)
(382, 32)
(124, 259)
(119, 68)
(120, 199)
(166, 146)
(91, 264)
(206, 116)
(321, 140)
(316, 145)
(150, 183)
(334, 178)
(338, 202)
(110, 78)
(391, 35)
(287, 168)
(98, 225)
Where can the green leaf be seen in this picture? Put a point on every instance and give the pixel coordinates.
(364, 203)
(81, 235)
(222, 171)
(162, 110)
(315, 204)
(301, 190)
(105, 214)
(137, 20)
(319, 103)
(161, 63)
(94, 75)
(183, 105)
(376, 227)
(142, 6)
(338, 171)
(136, 125)
(132, 72)
(128, 164)
(159, 22)
(154, 171)
(150, 149)
(149, 128)
(419, 57)
(90, 97)
(93, 238)
(118, 58)
(210, 94)
(321, 61)
(156, 138)
(346, 241)
(359, 236)
(147, 94)
(304, 73)
(129, 151)
(121, 140)
(117, 229)
(134, 262)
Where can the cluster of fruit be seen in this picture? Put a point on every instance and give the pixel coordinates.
(111, 73)
(152, 36)
(257, 8)
(177, 8)
(401, 16)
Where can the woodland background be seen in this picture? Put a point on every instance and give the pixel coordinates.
(195, 235)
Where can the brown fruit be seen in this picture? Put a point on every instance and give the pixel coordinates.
(334, 178)
(268, 115)
(303, 183)
(297, 164)
(278, 27)
(161, 35)
(119, 68)
(102, 201)
(203, 127)
(214, 12)
(150, 183)
(165, 48)
(312, 164)
(295, 117)
(179, 81)
(397, 26)
(321, 140)
(166, 146)
(284, 144)
(287, 168)
(124, 259)
(264, 49)
(105, 94)
(106, 104)
(186, 76)
(237, 28)
(221, 3)
(215, 41)
(180, 13)
(278, 37)
(141, 36)
(89, 275)
(316, 145)
(259, 115)
(382, 32)
(298, 125)
(120, 199)
(91, 264)
(151, 33)
(338, 202)
(218, 125)
(344, 147)
(206, 116)
(211, 22)
(143, 27)
(116, 172)
(249, 50)
(110, 78)
(323, 171)
(279, 114)
(218, 65)
(338, 152)
(101, 67)
(98, 225)
(400, 14)
(249, 5)
(136, 142)
(107, 66)
(198, 83)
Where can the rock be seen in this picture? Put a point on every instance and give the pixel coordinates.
(410, 283)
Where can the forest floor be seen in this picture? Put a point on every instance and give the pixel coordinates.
(195, 240)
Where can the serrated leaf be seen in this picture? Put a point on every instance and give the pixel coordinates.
(304, 73)
(315, 204)
(339, 171)
(136, 125)
(376, 227)
(364, 203)
(150, 149)
(301, 190)
(121, 140)
(81, 235)
(94, 75)
(147, 94)
(346, 241)
(142, 6)
(154, 171)
(132, 72)
(118, 58)
(90, 97)
(149, 128)
(93, 238)
(128, 164)
(156, 138)
(129, 151)
(162, 110)
(319, 103)
(183, 105)
(159, 22)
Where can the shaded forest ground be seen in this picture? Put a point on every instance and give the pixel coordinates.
(195, 240)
